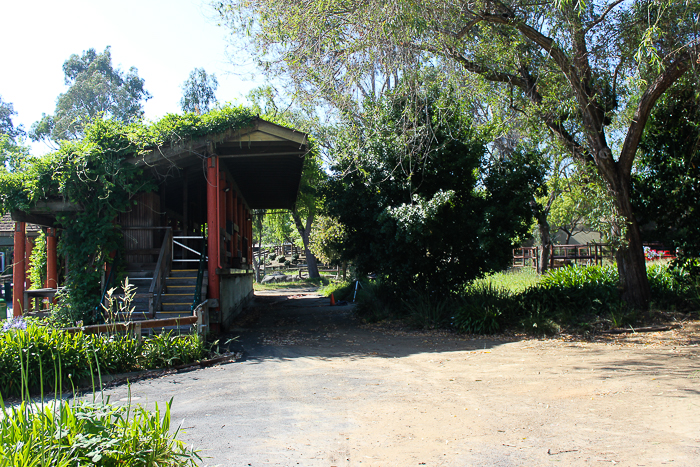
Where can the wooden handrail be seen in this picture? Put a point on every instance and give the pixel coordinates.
(160, 273)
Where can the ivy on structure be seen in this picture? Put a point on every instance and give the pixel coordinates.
(95, 173)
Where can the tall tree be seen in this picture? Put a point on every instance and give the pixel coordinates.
(12, 149)
(7, 127)
(199, 92)
(95, 89)
(587, 70)
(668, 172)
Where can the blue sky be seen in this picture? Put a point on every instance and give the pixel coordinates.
(165, 40)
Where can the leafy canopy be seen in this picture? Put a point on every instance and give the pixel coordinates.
(434, 224)
(96, 89)
(199, 92)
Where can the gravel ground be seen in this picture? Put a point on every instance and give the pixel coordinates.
(316, 387)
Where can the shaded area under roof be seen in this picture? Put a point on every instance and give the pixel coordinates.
(264, 159)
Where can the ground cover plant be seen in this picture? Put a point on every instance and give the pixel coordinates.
(577, 298)
(40, 357)
(66, 433)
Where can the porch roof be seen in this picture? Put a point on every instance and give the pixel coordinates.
(264, 159)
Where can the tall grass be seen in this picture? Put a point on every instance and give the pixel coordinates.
(42, 348)
(63, 433)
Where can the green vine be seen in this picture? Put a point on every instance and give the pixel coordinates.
(95, 174)
(37, 262)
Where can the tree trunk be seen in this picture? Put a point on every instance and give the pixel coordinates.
(304, 232)
(545, 238)
(631, 265)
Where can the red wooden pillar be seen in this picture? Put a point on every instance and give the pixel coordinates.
(230, 218)
(19, 271)
(51, 260)
(222, 220)
(213, 225)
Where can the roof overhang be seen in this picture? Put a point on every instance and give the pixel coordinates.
(264, 159)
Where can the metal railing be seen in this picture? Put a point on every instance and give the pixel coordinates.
(160, 273)
(186, 248)
(200, 278)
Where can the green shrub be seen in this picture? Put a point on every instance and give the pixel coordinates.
(168, 349)
(272, 257)
(427, 312)
(375, 301)
(483, 308)
(295, 257)
(63, 434)
(47, 353)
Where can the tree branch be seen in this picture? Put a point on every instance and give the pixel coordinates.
(602, 16)
(655, 90)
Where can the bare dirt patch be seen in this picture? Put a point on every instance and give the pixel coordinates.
(318, 387)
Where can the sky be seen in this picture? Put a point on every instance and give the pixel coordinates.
(163, 39)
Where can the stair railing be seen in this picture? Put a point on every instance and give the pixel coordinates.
(162, 270)
(200, 278)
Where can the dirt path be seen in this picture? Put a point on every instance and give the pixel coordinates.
(317, 388)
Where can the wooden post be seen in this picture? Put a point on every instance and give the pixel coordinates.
(222, 219)
(213, 225)
(18, 269)
(229, 218)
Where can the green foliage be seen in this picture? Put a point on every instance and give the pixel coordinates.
(96, 173)
(326, 239)
(64, 434)
(668, 171)
(96, 91)
(168, 349)
(424, 311)
(37, 262)
(12, 149)
(480, 308)
(39, 354)
(199, 92)
(428, 221)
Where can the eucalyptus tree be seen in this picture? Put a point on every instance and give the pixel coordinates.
(12, 149)
(95, 89)
(199, 92)
(589, 71)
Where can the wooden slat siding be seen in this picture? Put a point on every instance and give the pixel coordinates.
(145, 213)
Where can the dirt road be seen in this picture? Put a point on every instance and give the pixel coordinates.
(315, 387)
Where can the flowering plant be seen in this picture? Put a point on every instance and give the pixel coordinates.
(14, 323)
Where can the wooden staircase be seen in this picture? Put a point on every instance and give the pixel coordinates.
(179, 293)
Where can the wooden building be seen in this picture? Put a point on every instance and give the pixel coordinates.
(207, 188)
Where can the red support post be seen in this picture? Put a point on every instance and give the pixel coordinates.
(19, 271)
(222, 220)
(213, 225)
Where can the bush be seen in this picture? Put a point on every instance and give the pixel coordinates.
(49, 357)
(425, 311)
(483, 309)
(89, 433)
(272, 257)
(295, 257)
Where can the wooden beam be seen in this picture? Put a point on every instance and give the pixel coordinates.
(55, 206)
(39, 219)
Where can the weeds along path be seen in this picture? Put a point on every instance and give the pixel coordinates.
(316, 387)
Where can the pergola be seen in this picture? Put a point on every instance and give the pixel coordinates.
(216, 179)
